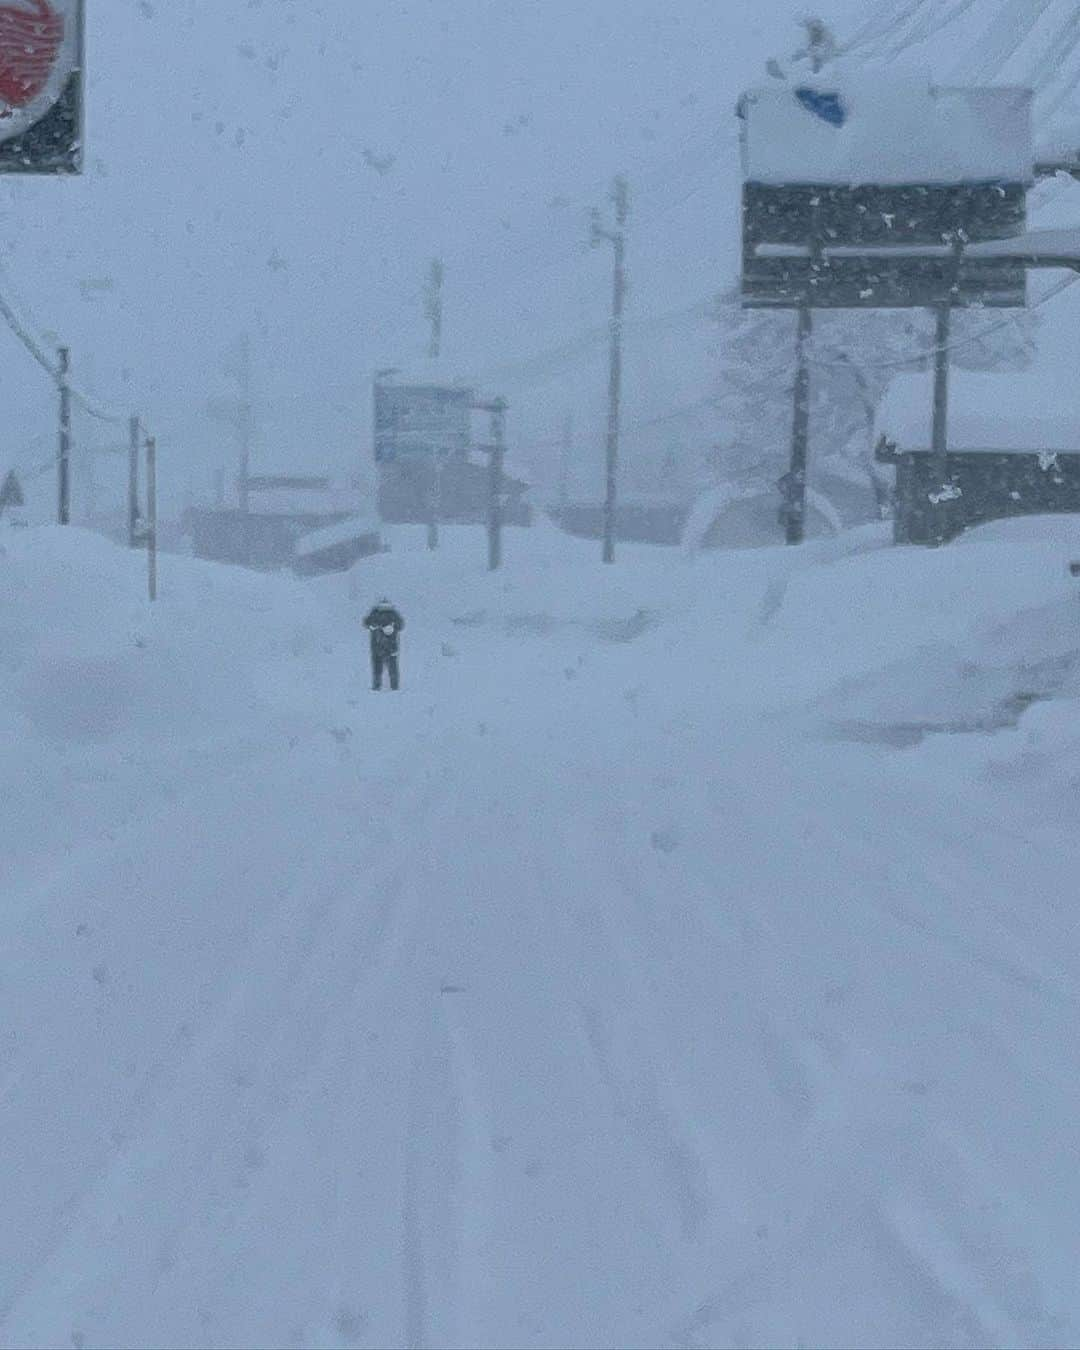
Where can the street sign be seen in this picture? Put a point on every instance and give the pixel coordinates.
(421, 420)
(11, 493)
(41, 86)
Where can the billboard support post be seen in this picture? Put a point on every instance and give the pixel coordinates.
(819, 232)
(795, 496)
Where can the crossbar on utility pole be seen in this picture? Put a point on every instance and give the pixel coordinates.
(134, 435)
(151, 515)
(617, 238)
(64, 457)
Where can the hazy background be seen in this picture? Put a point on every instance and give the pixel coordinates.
(227, 190)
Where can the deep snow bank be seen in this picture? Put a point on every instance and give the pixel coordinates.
(627, 979)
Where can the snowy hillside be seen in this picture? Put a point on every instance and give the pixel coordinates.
(687, 955)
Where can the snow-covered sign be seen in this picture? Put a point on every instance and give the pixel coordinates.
(41, 86)
(881, 130)
(421, 419)
(842, 174)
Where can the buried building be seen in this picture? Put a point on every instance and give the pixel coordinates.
(1011, 451)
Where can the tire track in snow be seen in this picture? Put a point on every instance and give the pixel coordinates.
(240, 1020)
(431, 1222)
(643, 1099)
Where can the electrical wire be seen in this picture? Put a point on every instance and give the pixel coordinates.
(925, 352)
(1003, 39)
(51, 365)
(881, 25)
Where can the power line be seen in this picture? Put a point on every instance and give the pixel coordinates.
(971, 341)
(51, 365)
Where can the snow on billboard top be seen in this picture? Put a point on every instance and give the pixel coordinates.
(994, 413)
(885, 130)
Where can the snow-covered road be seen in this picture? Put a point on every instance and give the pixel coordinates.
(590, 992)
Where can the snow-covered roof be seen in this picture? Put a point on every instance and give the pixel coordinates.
(875, 128)
(1059, 144)
(341, 533)
(1029, 411)
(330, 501)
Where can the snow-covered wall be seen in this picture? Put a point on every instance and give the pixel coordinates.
(994, 412)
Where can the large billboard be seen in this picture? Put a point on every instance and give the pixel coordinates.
(425, 420)
(41, 86)
(852, 196)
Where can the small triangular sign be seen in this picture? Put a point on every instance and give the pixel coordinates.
(11, 494)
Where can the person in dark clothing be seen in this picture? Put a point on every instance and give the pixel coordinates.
(384, 624)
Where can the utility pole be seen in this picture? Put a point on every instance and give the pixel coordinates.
(433, 306)
(620, 195)
(496, 459)
(244, 421)
(434, 498)
(151, 514)
(495, 486)
(134, 436)
(64, 458)
(566, 451)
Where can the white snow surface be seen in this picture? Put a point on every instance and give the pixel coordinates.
(992, 411)
(341, 533)
(899, 128)
(687, 955)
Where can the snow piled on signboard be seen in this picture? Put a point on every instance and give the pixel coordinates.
(895, 129)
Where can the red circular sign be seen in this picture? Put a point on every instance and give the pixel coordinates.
(39, 52)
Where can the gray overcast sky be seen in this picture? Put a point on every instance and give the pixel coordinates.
(227, 189)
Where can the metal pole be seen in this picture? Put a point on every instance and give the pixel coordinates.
(134, 434)
(151, 514)
(795, 515)
(433, 306)
(939, 434)
(564, 465)
(434, 499)
(617, 237)
(245, 421)
(495, 483)
(64, 458)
